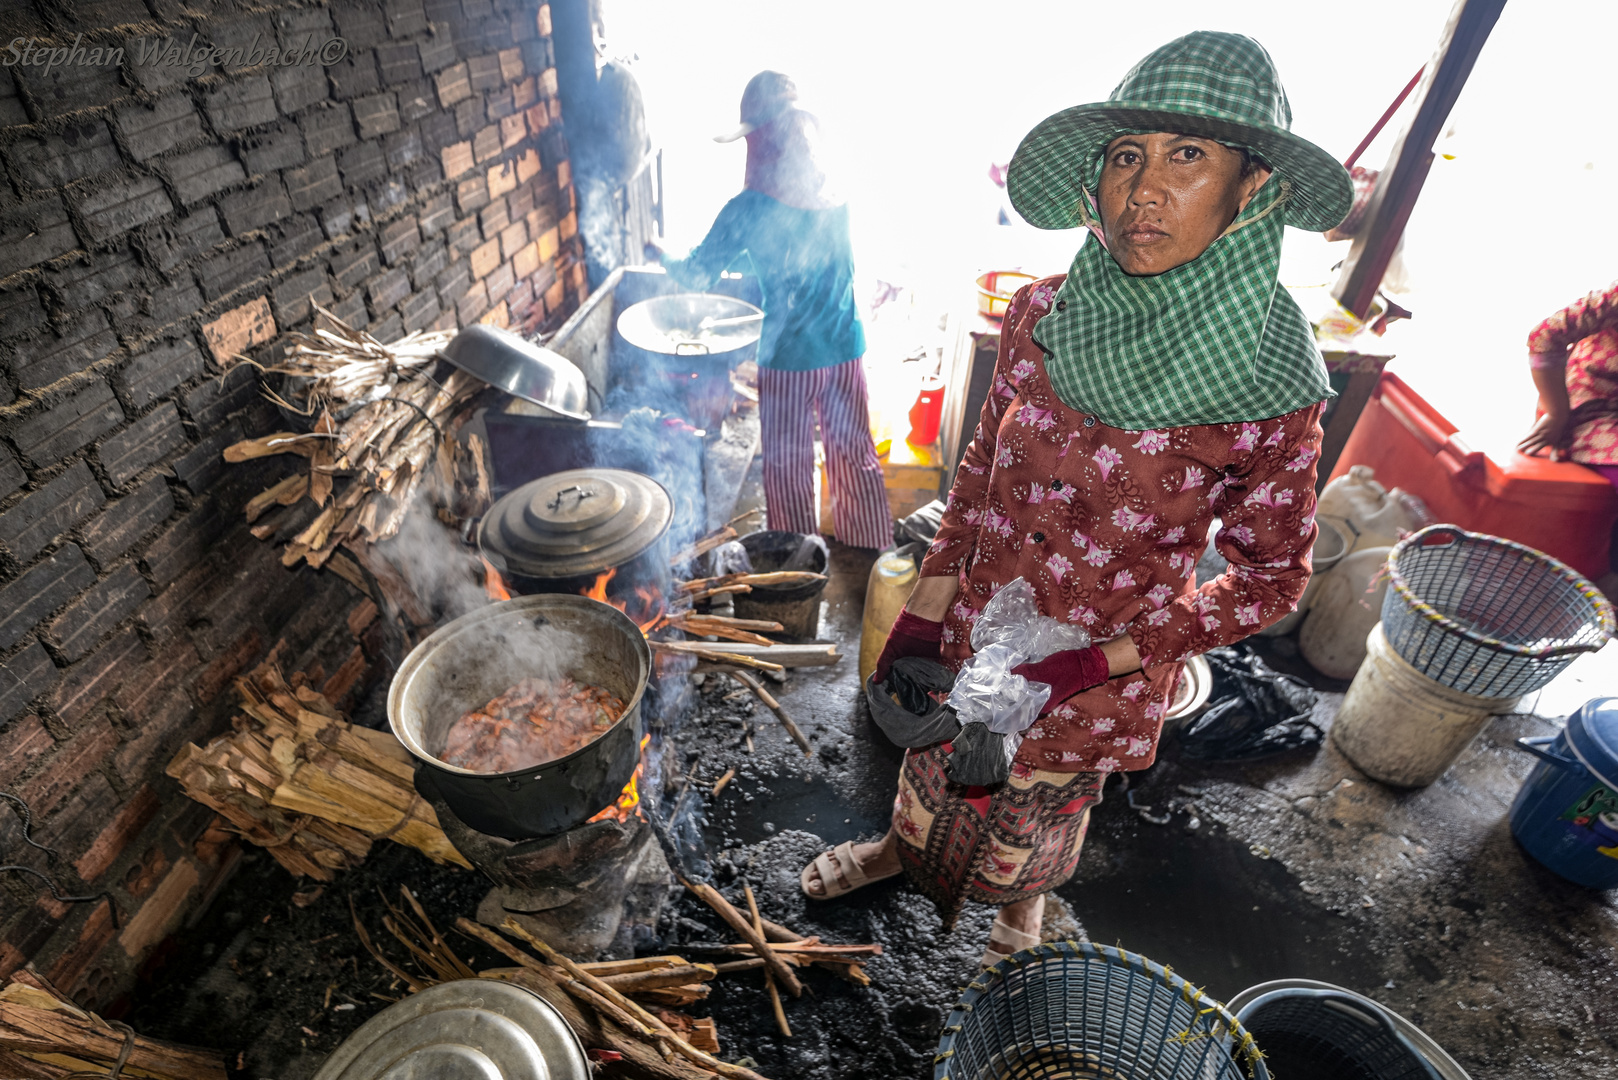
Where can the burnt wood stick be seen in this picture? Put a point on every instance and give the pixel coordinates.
(723, 1068)
(775, 707)
(656, 979)
(769, 976)
(710, 896)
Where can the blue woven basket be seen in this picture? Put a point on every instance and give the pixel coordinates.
(1487, 616)
(1079, 1011)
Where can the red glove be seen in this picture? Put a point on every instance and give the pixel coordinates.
(1068, 673)
(911, 636)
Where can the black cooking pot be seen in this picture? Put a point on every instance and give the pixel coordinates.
(478, 657)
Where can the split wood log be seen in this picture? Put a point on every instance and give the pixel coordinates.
(708, 667)
(717, 654)
(296, 778)
(710, 896)
(769, 976)
(726, 634)
(607, 968)
(674, 997)
(700, 1033)
(774, 577)
(775, 707)
(658, 978)
(779, 653)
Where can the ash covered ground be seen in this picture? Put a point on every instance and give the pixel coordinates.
(1293, 867)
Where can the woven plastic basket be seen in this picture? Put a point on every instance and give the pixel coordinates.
(1333, 1035)
(1078, 1011)
(1487, 616)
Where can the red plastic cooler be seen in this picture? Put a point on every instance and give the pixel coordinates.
(1563, 509)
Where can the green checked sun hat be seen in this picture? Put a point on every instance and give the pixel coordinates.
(1218, 86)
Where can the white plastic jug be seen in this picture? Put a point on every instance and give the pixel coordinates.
(1343, 612)
(1369, 513)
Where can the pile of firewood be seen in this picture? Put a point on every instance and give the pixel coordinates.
(627, 1008)
(296, 778)
(44, 1036)
(382, 428)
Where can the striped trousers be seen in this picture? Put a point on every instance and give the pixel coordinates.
(789, 402)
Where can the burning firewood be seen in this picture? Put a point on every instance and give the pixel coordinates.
(296, 778)
(43, 1034)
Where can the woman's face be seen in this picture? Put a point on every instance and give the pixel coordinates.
(1165, 198)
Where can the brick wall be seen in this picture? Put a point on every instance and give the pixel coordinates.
(151, 223)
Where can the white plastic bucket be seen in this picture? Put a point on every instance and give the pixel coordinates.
(1402, 728)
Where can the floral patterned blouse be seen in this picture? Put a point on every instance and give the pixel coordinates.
(1590, 327)
(1107, 525)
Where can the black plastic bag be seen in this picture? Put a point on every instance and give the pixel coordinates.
(909, 707)
(978, 757)
(1256, 711)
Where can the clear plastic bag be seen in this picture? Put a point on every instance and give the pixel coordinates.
(1009, 632)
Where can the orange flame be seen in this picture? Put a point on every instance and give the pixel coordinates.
(494, 584)
(650, 607)
(629, 801)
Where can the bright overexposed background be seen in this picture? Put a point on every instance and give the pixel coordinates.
(920, 97)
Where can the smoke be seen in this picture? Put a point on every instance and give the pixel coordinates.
(445, 575)
(655, 441)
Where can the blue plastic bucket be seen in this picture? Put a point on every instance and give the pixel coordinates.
(1566, 814)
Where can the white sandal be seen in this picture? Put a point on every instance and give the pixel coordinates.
(1003, 934)
(829, 881)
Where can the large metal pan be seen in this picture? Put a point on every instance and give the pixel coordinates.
(512, 363)
(470, 661)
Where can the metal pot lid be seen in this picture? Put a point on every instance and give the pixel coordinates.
(471, 1029)
(574, 523)
(1592, 732)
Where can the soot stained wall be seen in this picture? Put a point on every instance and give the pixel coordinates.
(154, 219)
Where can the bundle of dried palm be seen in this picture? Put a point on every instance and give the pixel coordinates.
(44, 1036)
(296, 778)
(383, 427)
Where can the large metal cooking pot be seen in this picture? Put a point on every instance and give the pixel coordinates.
(511, 363)
(475, 658)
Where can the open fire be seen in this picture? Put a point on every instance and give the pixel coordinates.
(629, 801)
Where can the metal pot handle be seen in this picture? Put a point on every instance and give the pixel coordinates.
(1532, 744)
(691, 348)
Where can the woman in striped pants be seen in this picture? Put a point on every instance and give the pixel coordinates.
(792, 232)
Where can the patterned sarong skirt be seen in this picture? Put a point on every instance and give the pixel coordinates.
(997, 845)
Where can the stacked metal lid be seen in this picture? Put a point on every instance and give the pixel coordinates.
(575, 523)
(472, 1029)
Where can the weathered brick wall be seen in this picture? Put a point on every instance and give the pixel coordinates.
(153, 222)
